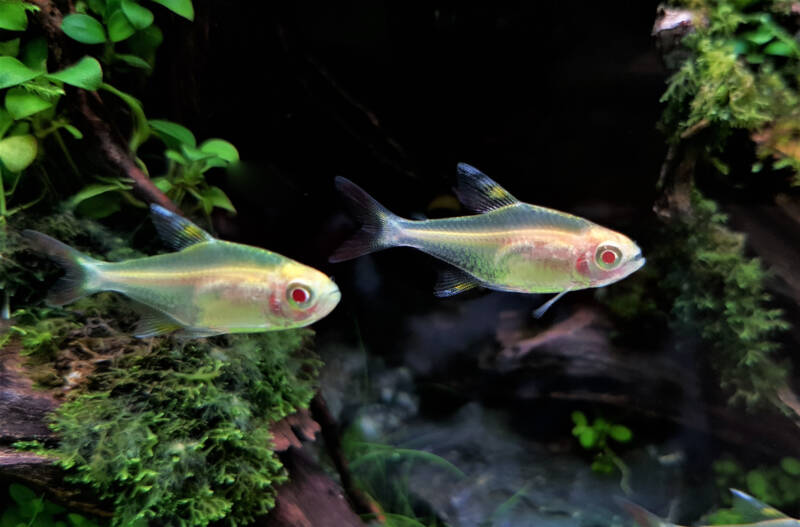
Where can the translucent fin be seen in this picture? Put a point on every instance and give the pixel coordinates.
(377, 223)
(153, 322)
(454, 281)
(752, 510)
(176, 231)
(79, 268)
(642, 516)
(478, 192)
(544, 307)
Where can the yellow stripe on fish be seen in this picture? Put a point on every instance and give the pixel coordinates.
(208, 287)
(508, 246)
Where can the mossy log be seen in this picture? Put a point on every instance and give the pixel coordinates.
(311, 498)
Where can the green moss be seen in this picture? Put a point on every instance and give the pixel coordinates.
(742, 74)
(179, 434)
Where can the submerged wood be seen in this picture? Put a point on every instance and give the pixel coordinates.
(561, 361)
(310, 496)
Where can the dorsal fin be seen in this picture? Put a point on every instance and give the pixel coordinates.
(752, 510)
(176, 231)
(478, 192)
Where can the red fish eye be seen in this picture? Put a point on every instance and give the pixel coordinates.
(300, 295)
(608, 257)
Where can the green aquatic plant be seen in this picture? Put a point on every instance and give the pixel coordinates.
(383, 471)
(719, 295)
(778, 484)
(26, 509)
(741, 74)
(596, 437)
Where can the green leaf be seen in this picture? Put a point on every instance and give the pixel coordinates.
(77, 134)
(145, 43)
(173, 134)
(176, 156)
(179, 7)
(13, 72)
(779, 48)
(588, 437)
(5, 121)
(193, 154)
(754, 58)
(21, 103)
(9, 47)
(791, 465)
(86, 74)
(12, 15)
(140, 17)
(100, 206)
(220, 148)
(757, 483)
(119, 28)
(620, 433)
(18, 152)
(34, 54)
(84, 29)
(21, 494)
(760, 36)
(215, 197)
(133, 60)
(162, 183)
(579, 418)
(90, 191)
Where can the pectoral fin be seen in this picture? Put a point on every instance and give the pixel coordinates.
(544, 307)
(454, 281)
(478, 192)
(176, 231)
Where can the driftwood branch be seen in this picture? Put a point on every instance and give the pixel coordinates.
(561, 362)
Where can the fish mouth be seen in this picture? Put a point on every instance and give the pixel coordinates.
(637, 261)
(329, 301)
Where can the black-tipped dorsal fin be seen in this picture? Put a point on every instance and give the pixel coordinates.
(752, 510)
(478, 192)
(176, 231)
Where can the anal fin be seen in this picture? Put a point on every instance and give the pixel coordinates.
(153, 322)
(454, 281)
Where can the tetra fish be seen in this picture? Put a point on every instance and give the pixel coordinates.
(508, 246)
(208, 287)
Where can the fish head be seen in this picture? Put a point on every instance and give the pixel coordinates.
(607, 256)
(303, 295)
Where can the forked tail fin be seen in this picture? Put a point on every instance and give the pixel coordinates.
(79, 269)
(379, 227)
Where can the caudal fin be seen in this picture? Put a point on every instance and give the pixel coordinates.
(79, 268)
(378, 225)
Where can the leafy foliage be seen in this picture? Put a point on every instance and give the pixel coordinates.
(778, 485)
(28, 509)
(595, 437)
(742, 74)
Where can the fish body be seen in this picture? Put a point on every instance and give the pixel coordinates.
(206, 288)
(753, 512)
(509, 246)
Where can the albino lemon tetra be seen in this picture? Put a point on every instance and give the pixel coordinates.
(208, 287)
(508, 246)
